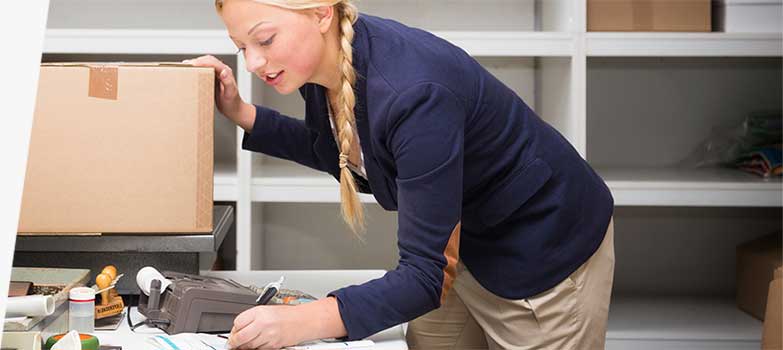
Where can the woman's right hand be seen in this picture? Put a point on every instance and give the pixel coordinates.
(228, 100)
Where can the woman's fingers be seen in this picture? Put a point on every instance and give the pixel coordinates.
(228, 101)
(243, 319)
(222, 70)
(229, 83)
(206, 61)
(243, 331)
(247, 338)
(224, 74)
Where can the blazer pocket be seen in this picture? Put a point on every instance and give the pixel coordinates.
(507, 198)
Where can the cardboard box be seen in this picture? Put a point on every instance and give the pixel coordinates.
(649, 15)
(120, 148)
(756, 263)
(773, 327)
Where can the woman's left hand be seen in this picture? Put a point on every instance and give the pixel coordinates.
(263, 327)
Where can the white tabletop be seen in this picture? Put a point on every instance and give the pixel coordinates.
(390, 339)
(315, 282)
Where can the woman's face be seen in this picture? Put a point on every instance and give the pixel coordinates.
(284, 48)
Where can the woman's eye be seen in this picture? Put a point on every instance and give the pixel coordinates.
(267, 41)
(241, 49)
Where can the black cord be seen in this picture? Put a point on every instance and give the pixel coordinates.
(148, 322)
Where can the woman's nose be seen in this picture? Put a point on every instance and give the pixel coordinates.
(254, 61)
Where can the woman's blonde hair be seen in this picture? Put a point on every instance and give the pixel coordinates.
(345, 120)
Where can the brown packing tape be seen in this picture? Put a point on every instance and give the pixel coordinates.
(204, 190)
(103, 82)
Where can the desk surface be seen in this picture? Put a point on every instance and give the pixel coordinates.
(316, 282)
(390, 339)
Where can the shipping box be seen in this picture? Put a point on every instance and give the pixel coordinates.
(649, 15)
(773, 326)
(756, 263)
(120, 148)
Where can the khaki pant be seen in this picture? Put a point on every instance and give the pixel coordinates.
(572, 315)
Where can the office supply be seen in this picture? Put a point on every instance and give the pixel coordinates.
(81, 309)
(72, 340)
(193, 303)
(30, 305)
(111, 303)
(270, 291)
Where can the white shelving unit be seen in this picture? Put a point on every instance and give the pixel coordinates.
(680, 323)
(710, 187)
(683, 44)
(576, 81)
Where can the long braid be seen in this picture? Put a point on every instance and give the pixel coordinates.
(345, 120)
(351, 206)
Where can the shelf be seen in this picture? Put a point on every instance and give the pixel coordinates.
(707, 187)
(691, 320)
(647, 44)
(138, 41)
(222, 216)
(293, 183)
(142, 41)
(513, 44)
(225, 183)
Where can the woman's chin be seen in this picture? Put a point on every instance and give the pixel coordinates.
(285, 89)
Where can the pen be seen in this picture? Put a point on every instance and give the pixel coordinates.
(267, 296)
(270, 292)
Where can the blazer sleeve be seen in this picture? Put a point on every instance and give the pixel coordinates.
(426, 136)
(283, 137)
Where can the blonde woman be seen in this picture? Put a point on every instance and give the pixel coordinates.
(504, 232)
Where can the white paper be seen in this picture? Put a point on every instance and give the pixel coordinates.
(321, 345)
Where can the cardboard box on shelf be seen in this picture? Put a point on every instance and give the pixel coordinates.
(120, 148)
(756, 262)
(773, 327)
(649, 15)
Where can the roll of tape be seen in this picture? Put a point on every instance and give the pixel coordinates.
(145, 276)
(89, 342)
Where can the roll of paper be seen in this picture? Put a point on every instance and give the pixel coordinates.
(30, 305)
(146, 275)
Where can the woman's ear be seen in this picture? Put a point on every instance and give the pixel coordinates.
(324, 15)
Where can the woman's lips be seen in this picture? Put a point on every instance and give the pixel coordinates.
(274, 79)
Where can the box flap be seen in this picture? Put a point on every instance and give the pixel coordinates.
(119, 64)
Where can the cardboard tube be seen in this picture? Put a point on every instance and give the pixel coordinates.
(30, 305)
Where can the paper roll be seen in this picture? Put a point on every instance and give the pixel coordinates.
(146, 275)
(30, 305)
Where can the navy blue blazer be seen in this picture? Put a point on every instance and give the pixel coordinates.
(475, 175)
